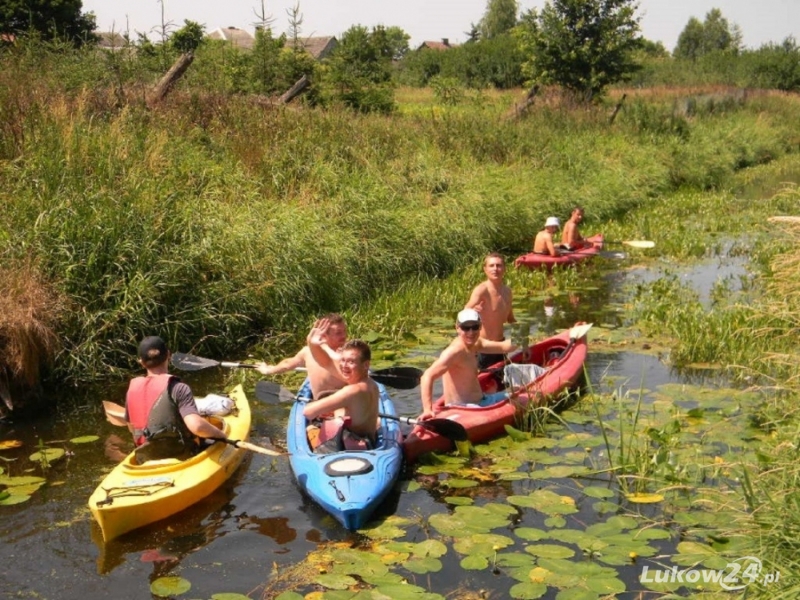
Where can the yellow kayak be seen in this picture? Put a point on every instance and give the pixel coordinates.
(134, 495)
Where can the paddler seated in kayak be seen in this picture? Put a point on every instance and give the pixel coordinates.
(161, 411)
(356, 404)
(571, 239)
(543, 243)
(321, 379)
(457, 366)
(492, 299)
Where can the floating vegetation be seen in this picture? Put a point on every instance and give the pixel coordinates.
(164, 587)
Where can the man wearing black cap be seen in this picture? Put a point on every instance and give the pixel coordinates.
(160, 409)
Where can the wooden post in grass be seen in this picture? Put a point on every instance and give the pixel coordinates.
(298, 88)
(176, 71)
(519, 109)
(617, 109)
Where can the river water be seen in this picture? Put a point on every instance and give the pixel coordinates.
(245, 535)
(241, 537)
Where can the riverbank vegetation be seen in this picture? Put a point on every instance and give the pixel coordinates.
(223, 223)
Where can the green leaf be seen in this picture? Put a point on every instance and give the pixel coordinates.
(85, 439)
(170, 586)
(334, 581)
(527, 591)
(474, 562)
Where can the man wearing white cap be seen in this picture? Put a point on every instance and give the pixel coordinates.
(457, 366)
(543, 244)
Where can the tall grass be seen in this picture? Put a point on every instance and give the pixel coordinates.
(217, 222)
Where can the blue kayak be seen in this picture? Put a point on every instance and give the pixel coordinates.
(349, 484)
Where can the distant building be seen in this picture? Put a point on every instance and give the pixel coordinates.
(318, 47)
(238, 38)
(443, 45)
(111, 41)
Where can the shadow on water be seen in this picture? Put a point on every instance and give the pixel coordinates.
(259, 521)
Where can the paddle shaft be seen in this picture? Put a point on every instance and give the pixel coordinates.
(115, 414)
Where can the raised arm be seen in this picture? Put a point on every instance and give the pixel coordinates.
(287, 364)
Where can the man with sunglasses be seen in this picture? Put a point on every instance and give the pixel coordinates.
(457, 366)
(492, 299)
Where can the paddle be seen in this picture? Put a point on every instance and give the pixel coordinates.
(576, 332)
(784, 219)
(116, 416)
(633, 243)
(190, 362)
(400, 378)
(267, 392)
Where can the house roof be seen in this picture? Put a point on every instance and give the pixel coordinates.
(318, 47)
(239, 38)
(110, 40)
(442, 45)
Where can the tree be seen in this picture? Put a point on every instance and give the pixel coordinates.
(188, 38)
(714, 34)
(581, 45)
(49, 19)
(500, 17)
(359, 71)
(392, 42)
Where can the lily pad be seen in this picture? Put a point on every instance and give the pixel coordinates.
(644, 498)
(550, 551)
(599, 492)
(170, 586)
(85, 439)
(229, 596)
(13, 498)
(334, 581)
(474, 562)
(527, 591)
(47, 455)
(546, 501)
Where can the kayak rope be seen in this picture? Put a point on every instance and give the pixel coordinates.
(339, 493)
(140, 490)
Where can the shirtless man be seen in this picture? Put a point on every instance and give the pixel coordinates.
(321, 378)
(457, 366)
(543, 244)
(571, 239)
(492, 300)
(358, 396)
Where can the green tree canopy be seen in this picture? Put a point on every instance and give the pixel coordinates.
(188, 38)
(714, 34)
(582, 45)
(500, 17)
(359, 70)
(51, 20)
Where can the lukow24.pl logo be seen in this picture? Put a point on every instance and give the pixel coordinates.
(736, 575)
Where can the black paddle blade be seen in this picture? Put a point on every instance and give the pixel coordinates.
(400, 378)
(446, 428)
(190, 362)
(268, 391)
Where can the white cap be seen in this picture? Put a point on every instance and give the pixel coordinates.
(552, 222)
(468, 315)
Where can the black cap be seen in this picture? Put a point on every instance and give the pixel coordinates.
(153, 351)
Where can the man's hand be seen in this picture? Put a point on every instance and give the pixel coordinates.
(317, 335)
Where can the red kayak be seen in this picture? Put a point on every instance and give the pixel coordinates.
(537, 261)
(562, 357)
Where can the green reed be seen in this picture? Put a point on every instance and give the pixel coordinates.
(219, 224)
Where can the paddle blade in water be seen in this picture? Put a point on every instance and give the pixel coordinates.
(446, 428)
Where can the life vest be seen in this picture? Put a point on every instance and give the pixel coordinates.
(158, 426)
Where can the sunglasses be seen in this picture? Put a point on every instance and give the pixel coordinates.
(469, 327)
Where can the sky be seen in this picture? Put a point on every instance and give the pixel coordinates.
(761, 21)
